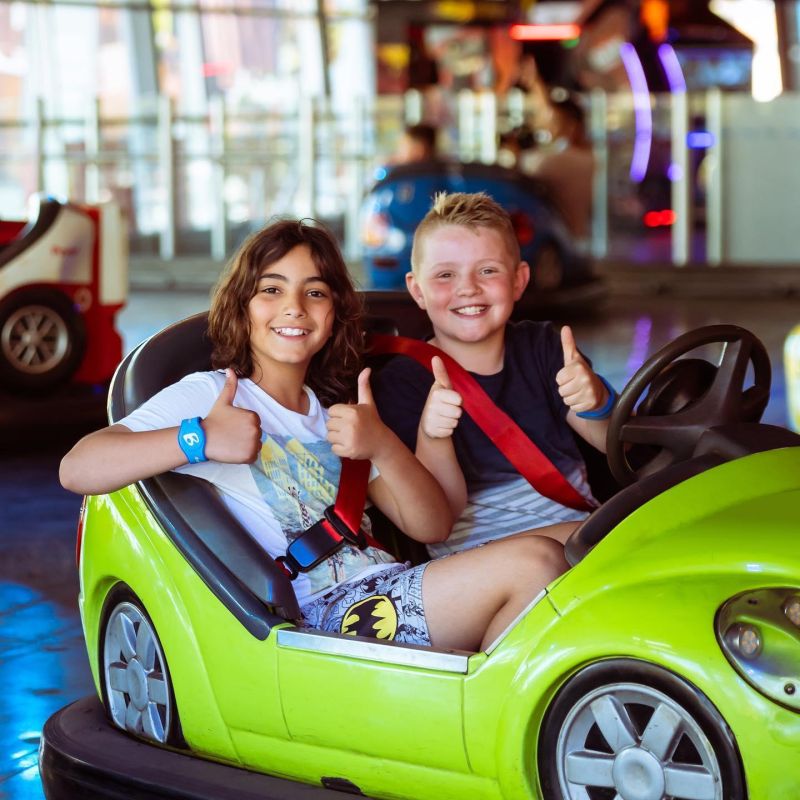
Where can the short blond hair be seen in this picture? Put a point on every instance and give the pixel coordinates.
(470, 210)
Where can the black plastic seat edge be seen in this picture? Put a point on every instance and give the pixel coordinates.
(255, 592)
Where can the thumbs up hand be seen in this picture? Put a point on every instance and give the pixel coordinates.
(443, 406)
(579, 387)
(233, 435)
(355, 430)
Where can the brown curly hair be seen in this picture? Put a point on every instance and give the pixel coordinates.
(334, 369)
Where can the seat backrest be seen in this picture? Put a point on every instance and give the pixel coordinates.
(160, 361)
(236, 569)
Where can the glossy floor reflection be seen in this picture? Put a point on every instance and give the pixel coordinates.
(43, 664)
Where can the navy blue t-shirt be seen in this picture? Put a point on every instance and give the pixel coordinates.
(525, 389)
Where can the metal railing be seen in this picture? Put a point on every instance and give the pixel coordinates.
(196, 185)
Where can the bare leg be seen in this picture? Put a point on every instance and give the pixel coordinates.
(471, 597)
(560, 531)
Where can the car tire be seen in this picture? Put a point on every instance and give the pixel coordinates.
(597, 740)
(42, 340)
(134, 678)
(548, 269)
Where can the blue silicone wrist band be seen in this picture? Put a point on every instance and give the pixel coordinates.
(192, 440)
(604, 411)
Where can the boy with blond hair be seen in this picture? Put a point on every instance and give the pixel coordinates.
(467, 274)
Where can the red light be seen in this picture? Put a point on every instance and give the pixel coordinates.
(659, 219)
(545, 33)
(211, 69)
(523, 227)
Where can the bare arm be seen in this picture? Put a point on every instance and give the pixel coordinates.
(409, 494)
(592, 430)
(405, 491)
(113, 457)
(439, 457)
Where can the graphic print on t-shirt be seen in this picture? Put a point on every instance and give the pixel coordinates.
(298, 481)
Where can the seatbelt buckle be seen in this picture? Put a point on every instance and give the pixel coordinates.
(356, 538)
(319, 542)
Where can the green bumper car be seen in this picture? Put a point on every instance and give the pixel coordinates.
(664, 664)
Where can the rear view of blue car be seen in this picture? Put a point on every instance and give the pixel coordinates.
(403, 195)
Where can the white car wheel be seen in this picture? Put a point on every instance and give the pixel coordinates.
(135, 678)
(638, 766)
(625, 730)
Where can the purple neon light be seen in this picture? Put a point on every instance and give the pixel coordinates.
(643, 115)
(672, 67)
(639, 346)
(700, 140)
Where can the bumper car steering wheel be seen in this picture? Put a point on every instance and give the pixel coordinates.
(671, 419)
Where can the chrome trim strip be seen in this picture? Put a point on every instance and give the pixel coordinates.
(364, 649)
(493, 645)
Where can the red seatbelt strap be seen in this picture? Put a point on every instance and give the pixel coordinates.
(509, 438)
(351, 496)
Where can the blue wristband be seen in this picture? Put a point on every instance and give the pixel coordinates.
(605, 411)
(192, 440)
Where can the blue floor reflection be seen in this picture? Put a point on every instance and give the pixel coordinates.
(44, 667)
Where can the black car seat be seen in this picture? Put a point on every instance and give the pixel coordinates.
(233, 566)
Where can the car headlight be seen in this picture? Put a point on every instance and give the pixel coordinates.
(759, 632)
(792, 610)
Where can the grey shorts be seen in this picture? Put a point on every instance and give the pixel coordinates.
(385, 605)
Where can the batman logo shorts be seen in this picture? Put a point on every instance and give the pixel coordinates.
(385, 605)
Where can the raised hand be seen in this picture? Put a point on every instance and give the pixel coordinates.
(233, 435)
(443, 406)
(355, 430)
(579, 387)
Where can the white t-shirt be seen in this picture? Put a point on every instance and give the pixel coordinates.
(286, 489)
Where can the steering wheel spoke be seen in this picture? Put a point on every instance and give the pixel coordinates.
(754, 401)
(662, 431)
(725, 393)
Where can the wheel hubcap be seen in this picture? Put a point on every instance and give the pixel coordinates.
(135, 675)
(137, 684)
(638, 775)
(640, 743)
(34, 339)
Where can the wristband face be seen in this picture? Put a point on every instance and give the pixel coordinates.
(192, 440)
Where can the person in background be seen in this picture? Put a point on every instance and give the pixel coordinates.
(566, 165)
(514, 146)
(418, 143)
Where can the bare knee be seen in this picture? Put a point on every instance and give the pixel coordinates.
(539, 559)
